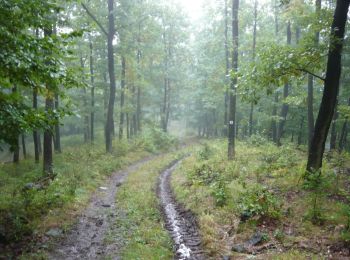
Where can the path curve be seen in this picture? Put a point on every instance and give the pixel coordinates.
(180, 223)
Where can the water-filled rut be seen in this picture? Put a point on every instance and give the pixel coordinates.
(180, 223)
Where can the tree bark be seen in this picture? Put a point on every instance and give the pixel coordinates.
(333, 140)
(343, 132)
(232, 105)
(110, 122)
(92, 80)
(57, 140)
(300, 135)
(331, 87)
(122, 98)
(16, 152)
(49, 106)
(285, 106)
(24, 150)
(310, 90)
(254, 47)
(227, 70)
(35, 132)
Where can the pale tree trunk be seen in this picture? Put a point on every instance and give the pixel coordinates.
(285, 106)
(57, 141)
(310, 89)
(35, 132)
(122, 98)
(227, 70)
(92, 81)
(254, 47)
(342, 139)
(110, 122)
(232, 106)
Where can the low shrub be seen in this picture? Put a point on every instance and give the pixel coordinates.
(259, 201)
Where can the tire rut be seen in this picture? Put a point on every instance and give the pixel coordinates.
(180, 223)
(86, 239)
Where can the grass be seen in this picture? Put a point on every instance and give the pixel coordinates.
(140, 226)
(26, 214)
(265, 183)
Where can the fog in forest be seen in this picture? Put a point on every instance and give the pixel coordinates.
(174, 129)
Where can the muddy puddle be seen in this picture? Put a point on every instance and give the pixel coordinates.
(180, 223)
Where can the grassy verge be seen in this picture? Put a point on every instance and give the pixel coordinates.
(262, 191)
(28, 208)
(140, 226)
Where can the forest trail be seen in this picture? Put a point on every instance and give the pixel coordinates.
(86, 239)
(180, 223)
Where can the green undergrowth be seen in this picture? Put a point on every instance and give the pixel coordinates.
(31, 205)
(139, 226)
(262, 190)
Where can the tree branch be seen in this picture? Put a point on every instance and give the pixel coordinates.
(309, 72)
(95, 19)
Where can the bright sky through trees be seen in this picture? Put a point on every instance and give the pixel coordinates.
(192, 7)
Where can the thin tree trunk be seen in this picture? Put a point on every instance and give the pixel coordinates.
(310, 89)
(92, 80)
(122, 98)
(35, 132)
(333, 141)
(227, 71)
(254, 47)
(111, 31)
(57, 141)
(300, 135)
(16, 151)
(285, 106)
(24, 150)
(232, 107)
(127, 126)
(49, 106)
(274, 121)
(343, 132)
(331, 87)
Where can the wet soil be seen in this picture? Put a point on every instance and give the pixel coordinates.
(180, 223)
(86, 239)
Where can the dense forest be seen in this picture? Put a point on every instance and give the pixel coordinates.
(174, 129)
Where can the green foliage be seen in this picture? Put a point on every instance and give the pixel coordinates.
(257, 140)
(155, 139)
(259, 201)
(206, 152)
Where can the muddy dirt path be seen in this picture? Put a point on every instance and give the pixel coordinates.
(180, 223)
(85, 239)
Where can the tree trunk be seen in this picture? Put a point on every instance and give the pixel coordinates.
(24, 150)
(227, 71)
(111, 31)
(232, 106)
(122, 98)
(49, 106)
(310, 90)
(57, 143)
(333, 141)
(254, 47)
(92, 80)
(343, 132)
(285, 106)
(35, 132)
(127, 126)
(331, 87)
(274, 121)
(300, 135)
(16, 151)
